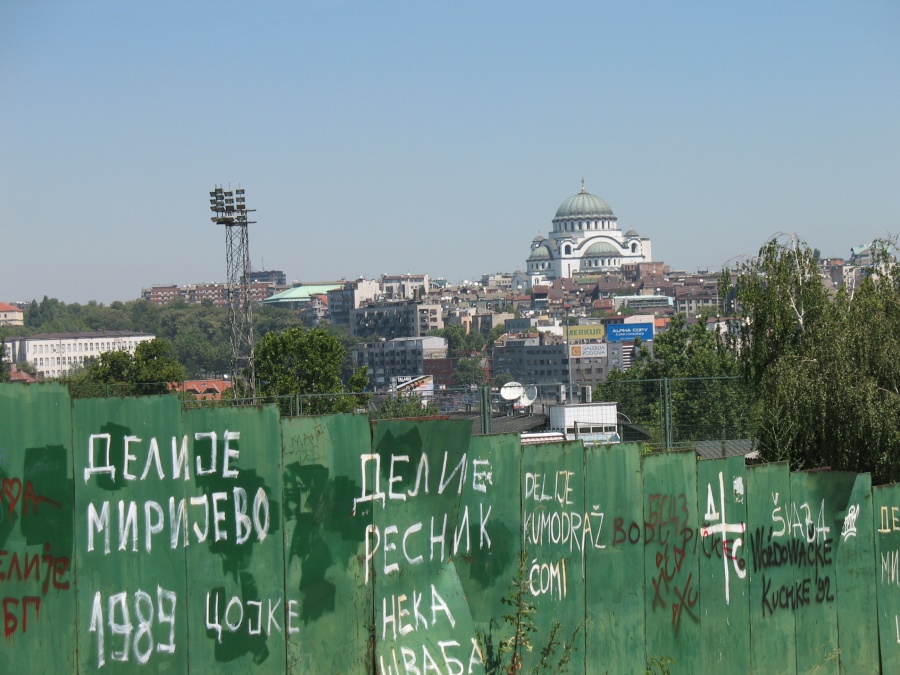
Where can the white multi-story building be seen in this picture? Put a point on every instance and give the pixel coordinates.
(55, 354)
(404, 286)
(10, 315)
(585, 238)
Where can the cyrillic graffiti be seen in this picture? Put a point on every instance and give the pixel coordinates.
(416, 540)
(54, 568)
(11, 492)
(12, 620)
(446, 663)
(418, 537)
(208, 512)
(231, 615)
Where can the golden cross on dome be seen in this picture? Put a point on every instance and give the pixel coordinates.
(582, 185)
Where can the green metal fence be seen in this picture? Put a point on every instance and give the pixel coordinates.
(135, 535)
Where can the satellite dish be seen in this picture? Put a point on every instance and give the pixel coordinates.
(511, 391)
(529, 394)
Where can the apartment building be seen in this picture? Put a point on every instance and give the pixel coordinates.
(386, 359)
(349, 297)
(392, 320)
(216, 293)
(404, 286)
(530, 361)
(55, 354)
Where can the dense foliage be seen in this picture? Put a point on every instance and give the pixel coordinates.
(824, 367)
(308, 363)
(469, 372)
(150, 370)
(199, 333)
(459, 342)
(411, 405)
(685, 389)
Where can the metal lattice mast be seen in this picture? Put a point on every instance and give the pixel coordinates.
(231, 211)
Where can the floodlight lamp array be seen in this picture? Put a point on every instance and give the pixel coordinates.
(229, 206)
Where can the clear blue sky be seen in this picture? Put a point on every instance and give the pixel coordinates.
(432, 137)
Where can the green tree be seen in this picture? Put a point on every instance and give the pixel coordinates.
(308, 363)
(455, 334)
(150, 370)
(397, 406)
(459, 342)
(823, 368)
(154, 368)
(684, 351)
(496, 332)
(469, 371)
(112, 368)
(474, 342)
(683, 377)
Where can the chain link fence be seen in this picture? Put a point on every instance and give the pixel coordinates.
(665, 413)
(681, 412)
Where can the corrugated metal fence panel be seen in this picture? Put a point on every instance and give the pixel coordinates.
(493, 498)
(235, 574)
(325, 571)
(817, 499)
(724, 591)
(671, 569)
(133, 535)
(132, 597)
(37, 570)
(772, 643)
(886, 521)
(422, 618)
(854, 537)
(612, 536)
(552, 505)
(770, 576)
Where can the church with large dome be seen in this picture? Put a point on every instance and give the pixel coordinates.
(585, 238)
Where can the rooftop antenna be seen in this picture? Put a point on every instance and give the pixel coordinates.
(230, 210)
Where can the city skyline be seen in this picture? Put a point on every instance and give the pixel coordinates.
(398, 137)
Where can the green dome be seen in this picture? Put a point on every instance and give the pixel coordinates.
(601, 248)
(540, 253)
(584, 205)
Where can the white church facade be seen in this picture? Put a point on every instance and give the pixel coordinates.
(585, 238)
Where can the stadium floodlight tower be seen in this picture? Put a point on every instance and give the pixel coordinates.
(230, 210)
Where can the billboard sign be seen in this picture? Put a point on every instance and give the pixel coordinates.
(588, 351)
(626, 332)
(597, 332)
(423, 385)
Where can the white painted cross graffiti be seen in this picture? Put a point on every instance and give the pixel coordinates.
(724, 528)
